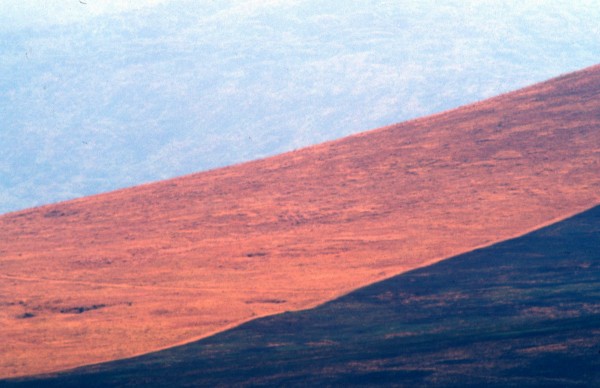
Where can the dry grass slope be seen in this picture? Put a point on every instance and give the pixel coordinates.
(135, 270)
(521, 313)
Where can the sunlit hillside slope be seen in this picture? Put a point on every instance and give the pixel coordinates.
(132, 271)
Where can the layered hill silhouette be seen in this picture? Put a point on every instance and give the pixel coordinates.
(136, 270)
(524, 312)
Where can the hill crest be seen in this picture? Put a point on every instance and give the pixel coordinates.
(144, 268)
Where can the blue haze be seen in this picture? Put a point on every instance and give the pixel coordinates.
(119, 99)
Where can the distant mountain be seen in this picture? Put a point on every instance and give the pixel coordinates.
(145, 268)
(93, 99)
(525, 312)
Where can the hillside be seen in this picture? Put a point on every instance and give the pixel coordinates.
(524, 312)
(131, 271)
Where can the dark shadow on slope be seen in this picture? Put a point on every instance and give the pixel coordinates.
(525, 312)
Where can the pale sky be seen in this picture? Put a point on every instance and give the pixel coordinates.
(43, 13)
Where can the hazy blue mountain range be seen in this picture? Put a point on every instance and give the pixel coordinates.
(94, 98)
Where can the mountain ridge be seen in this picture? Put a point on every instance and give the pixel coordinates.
(292, 230)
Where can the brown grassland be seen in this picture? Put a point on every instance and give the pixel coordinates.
(135, 270)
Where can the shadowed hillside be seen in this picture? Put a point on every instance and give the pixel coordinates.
(525, 312)
(127, 272)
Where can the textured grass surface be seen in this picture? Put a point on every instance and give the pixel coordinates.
(525, 312)
(178, 260)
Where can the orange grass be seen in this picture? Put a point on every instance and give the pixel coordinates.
(135, 270)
